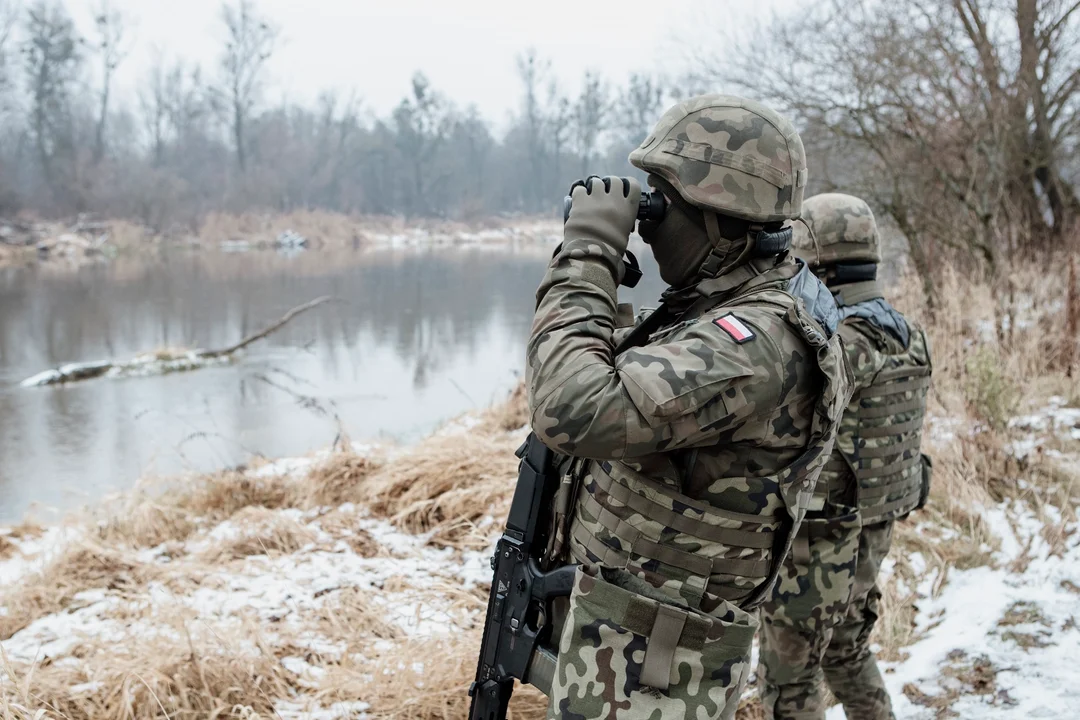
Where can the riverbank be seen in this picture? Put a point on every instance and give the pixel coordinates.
(351, 583)
(26, 241)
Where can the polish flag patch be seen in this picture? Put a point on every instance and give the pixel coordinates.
(735, 327)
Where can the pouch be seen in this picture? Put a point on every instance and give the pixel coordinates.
(817, 578)
(927, 473)
(623, 652)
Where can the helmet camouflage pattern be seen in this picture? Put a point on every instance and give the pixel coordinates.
(845, 230)
(729, 155)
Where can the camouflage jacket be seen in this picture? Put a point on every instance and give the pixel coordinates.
(708, 415)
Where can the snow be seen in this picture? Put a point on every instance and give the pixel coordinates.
(48, 377)
(1049, 425)
(1013, 619)
(1055, 418)
(87, 688)
(547, 233)
(139, 366)
(33, 553)
(284, 467)
(965, 622)
(295, 710)
(270, 588)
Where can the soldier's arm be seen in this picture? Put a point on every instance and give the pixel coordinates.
(863, 356)
(661, 397)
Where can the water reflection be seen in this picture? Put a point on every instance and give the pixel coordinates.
(419, 336)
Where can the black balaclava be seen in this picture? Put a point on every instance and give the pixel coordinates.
(680, 242)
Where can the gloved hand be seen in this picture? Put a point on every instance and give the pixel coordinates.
(604, 211)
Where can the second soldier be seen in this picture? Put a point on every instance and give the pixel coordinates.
(817, 623)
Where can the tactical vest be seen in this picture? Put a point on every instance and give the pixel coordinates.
(881, 434)
(696, 551)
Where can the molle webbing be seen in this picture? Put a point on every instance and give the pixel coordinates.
(887, 434)
(613, 501)
(906, 462)
(913, 384)
(625, 517)
(758, 538)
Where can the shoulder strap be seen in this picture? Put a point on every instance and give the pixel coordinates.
(644, 329)
(857, 292)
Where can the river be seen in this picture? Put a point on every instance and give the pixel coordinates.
(418, 337)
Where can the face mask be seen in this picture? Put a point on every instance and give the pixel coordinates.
(679, 244)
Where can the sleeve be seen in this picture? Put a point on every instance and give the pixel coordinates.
(666, 396)
(862, 355)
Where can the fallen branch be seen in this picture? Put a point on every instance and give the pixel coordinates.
(268, 330)
(163, 361)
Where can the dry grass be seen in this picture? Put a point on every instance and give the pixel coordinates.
(260, 532)
(166, 512)
(155, 514)
(82, 566)
(202, 675)
(184, 666)
(969, 676)
(319, 227)
(511, 415)
(340, 478)
(411, 690)
(447, 486)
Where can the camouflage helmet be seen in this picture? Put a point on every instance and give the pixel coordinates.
(845, 230)
(729, 155)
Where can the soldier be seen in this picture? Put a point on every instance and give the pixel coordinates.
(826, 601)
(695, 447)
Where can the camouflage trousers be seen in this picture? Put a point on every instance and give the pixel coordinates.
(796, 662)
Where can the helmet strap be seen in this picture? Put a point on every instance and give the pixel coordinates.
(813, 237)
(719, 261)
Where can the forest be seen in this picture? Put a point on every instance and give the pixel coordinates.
(958, 120)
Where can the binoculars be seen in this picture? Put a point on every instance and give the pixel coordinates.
(652, 206)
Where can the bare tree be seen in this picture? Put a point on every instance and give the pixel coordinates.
(187, 99)
(638, 106)
(7, 23)
(951, 116)
(52, 53)
(590, 117)
(67, 144)
(472, 138)
(560, 130)
(251, 42)
(532, 70)
(110, 26)
(423, 123)
(153, 104)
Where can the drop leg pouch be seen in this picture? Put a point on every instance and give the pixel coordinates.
(625, 655)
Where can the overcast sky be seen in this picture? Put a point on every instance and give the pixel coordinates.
(466, 47)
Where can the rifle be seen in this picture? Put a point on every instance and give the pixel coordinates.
(516, 632)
